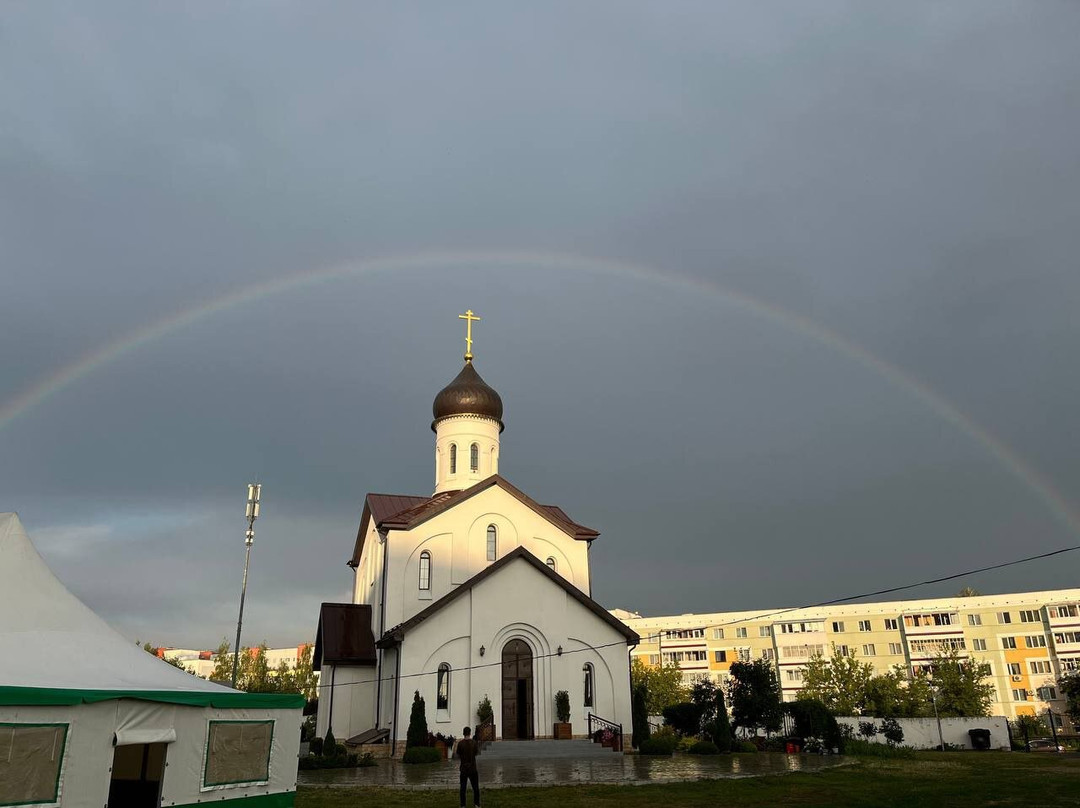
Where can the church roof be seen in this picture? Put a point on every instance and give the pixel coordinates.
(467, 394)
(344, 635)
(395, 635)
(417, 510)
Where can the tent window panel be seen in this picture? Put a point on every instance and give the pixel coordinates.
(30, 760)
(238, 752)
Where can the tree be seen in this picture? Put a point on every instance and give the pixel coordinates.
(893, 732)
(812, 719)
(1070, 689)
(720, 729)
(755, 696)
(418, 731)
(664, 684)
(684, 718)
(841, 682)
(968, 592)
(897, 694)
(961, 685)
(176, 663)
(1031, 726)
(640, 714)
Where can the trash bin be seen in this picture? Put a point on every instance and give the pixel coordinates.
(980, 738)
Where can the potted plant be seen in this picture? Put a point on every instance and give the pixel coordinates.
(563, 730)
(444, 743)
(486, 716)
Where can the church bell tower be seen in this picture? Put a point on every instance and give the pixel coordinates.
(467, 424)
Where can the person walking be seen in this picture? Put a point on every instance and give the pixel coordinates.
(466, 750)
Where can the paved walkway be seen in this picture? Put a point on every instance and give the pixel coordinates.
(619, 769)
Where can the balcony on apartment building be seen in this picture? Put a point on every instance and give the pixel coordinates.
(1063, 614)
(932, 623)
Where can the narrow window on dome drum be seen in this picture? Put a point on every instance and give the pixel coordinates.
(425, 571)
(453, 458)
(474, 458)
(492, 543)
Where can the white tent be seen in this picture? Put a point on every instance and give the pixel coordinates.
(85, 713)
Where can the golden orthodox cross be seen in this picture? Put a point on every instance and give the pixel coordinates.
(469, 318)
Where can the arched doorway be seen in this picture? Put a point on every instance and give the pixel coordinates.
(517, 691)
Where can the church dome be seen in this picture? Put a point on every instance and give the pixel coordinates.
(467, 394)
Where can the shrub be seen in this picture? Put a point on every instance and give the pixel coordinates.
(562, 706)
(705, 748)
(893, 732)
(421, 754)
(684, 718)
(315, 747)
(862, 748)
(330, 747)
(744, 746)
(658, 744)
(366, 761)
(418, 731)
(813, 720)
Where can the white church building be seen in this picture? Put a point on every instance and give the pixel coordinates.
(475, 591)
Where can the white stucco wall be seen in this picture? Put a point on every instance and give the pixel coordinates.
(463, 431)
(349, 691)
(518, 602)
(922, 733)
(457, 541)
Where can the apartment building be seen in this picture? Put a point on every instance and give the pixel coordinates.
(202, 663)
(1028, 639)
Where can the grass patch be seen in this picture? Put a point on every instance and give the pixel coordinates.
(926, 779)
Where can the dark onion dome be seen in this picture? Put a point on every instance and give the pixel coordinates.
(467, 394)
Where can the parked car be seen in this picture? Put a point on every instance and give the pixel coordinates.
(1044, 745)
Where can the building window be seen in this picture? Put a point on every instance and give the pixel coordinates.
(838, 626)
(1029, 616)
(551, 564)
(442, 696)
(1013, 668)
(453, 458)
(891, 624)
(744, 654)
(425, 571)
(1004, 618)
(864, 625)
(1008, 642)
(1040, 666)
(740, 632)
(492, 543)
(587, 672)
(896, 649)
(474, 458)
(868, 650)
(764, 631)
(1066, 636)
(1067, 610)
(654, 659)
(978, 645)
(768, 653)
(1047, 693)
(974, 619)
(718, 634)
(719, 656)
(1036, 641)
(843, 650)
(1020, 694)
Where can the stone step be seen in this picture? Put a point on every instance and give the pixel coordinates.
(544, 750)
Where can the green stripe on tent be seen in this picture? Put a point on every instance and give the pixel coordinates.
(287, 800)
(24, 696)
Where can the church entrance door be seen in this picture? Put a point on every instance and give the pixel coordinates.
(517, 691)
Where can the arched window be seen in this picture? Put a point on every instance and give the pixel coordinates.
(551, 564)
(442, 696)
(587, 671)
(425, 571)
(474, 457)
(492, 543)
(453, 458)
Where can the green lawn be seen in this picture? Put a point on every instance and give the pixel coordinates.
(950, 779)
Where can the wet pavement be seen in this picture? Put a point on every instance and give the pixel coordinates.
(618, 769)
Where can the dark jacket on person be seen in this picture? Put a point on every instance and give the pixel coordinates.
(466, 753)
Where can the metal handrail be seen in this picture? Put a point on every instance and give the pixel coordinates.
(602, 724)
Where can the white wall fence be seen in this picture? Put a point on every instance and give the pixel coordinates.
(922, 733)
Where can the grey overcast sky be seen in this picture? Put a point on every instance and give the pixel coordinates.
(735, 263)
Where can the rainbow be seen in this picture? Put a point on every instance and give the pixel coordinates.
(41, 390)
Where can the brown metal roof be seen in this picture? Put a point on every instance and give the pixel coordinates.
(344, 635)
(394, 635)
(407, 520)
(379, 507)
